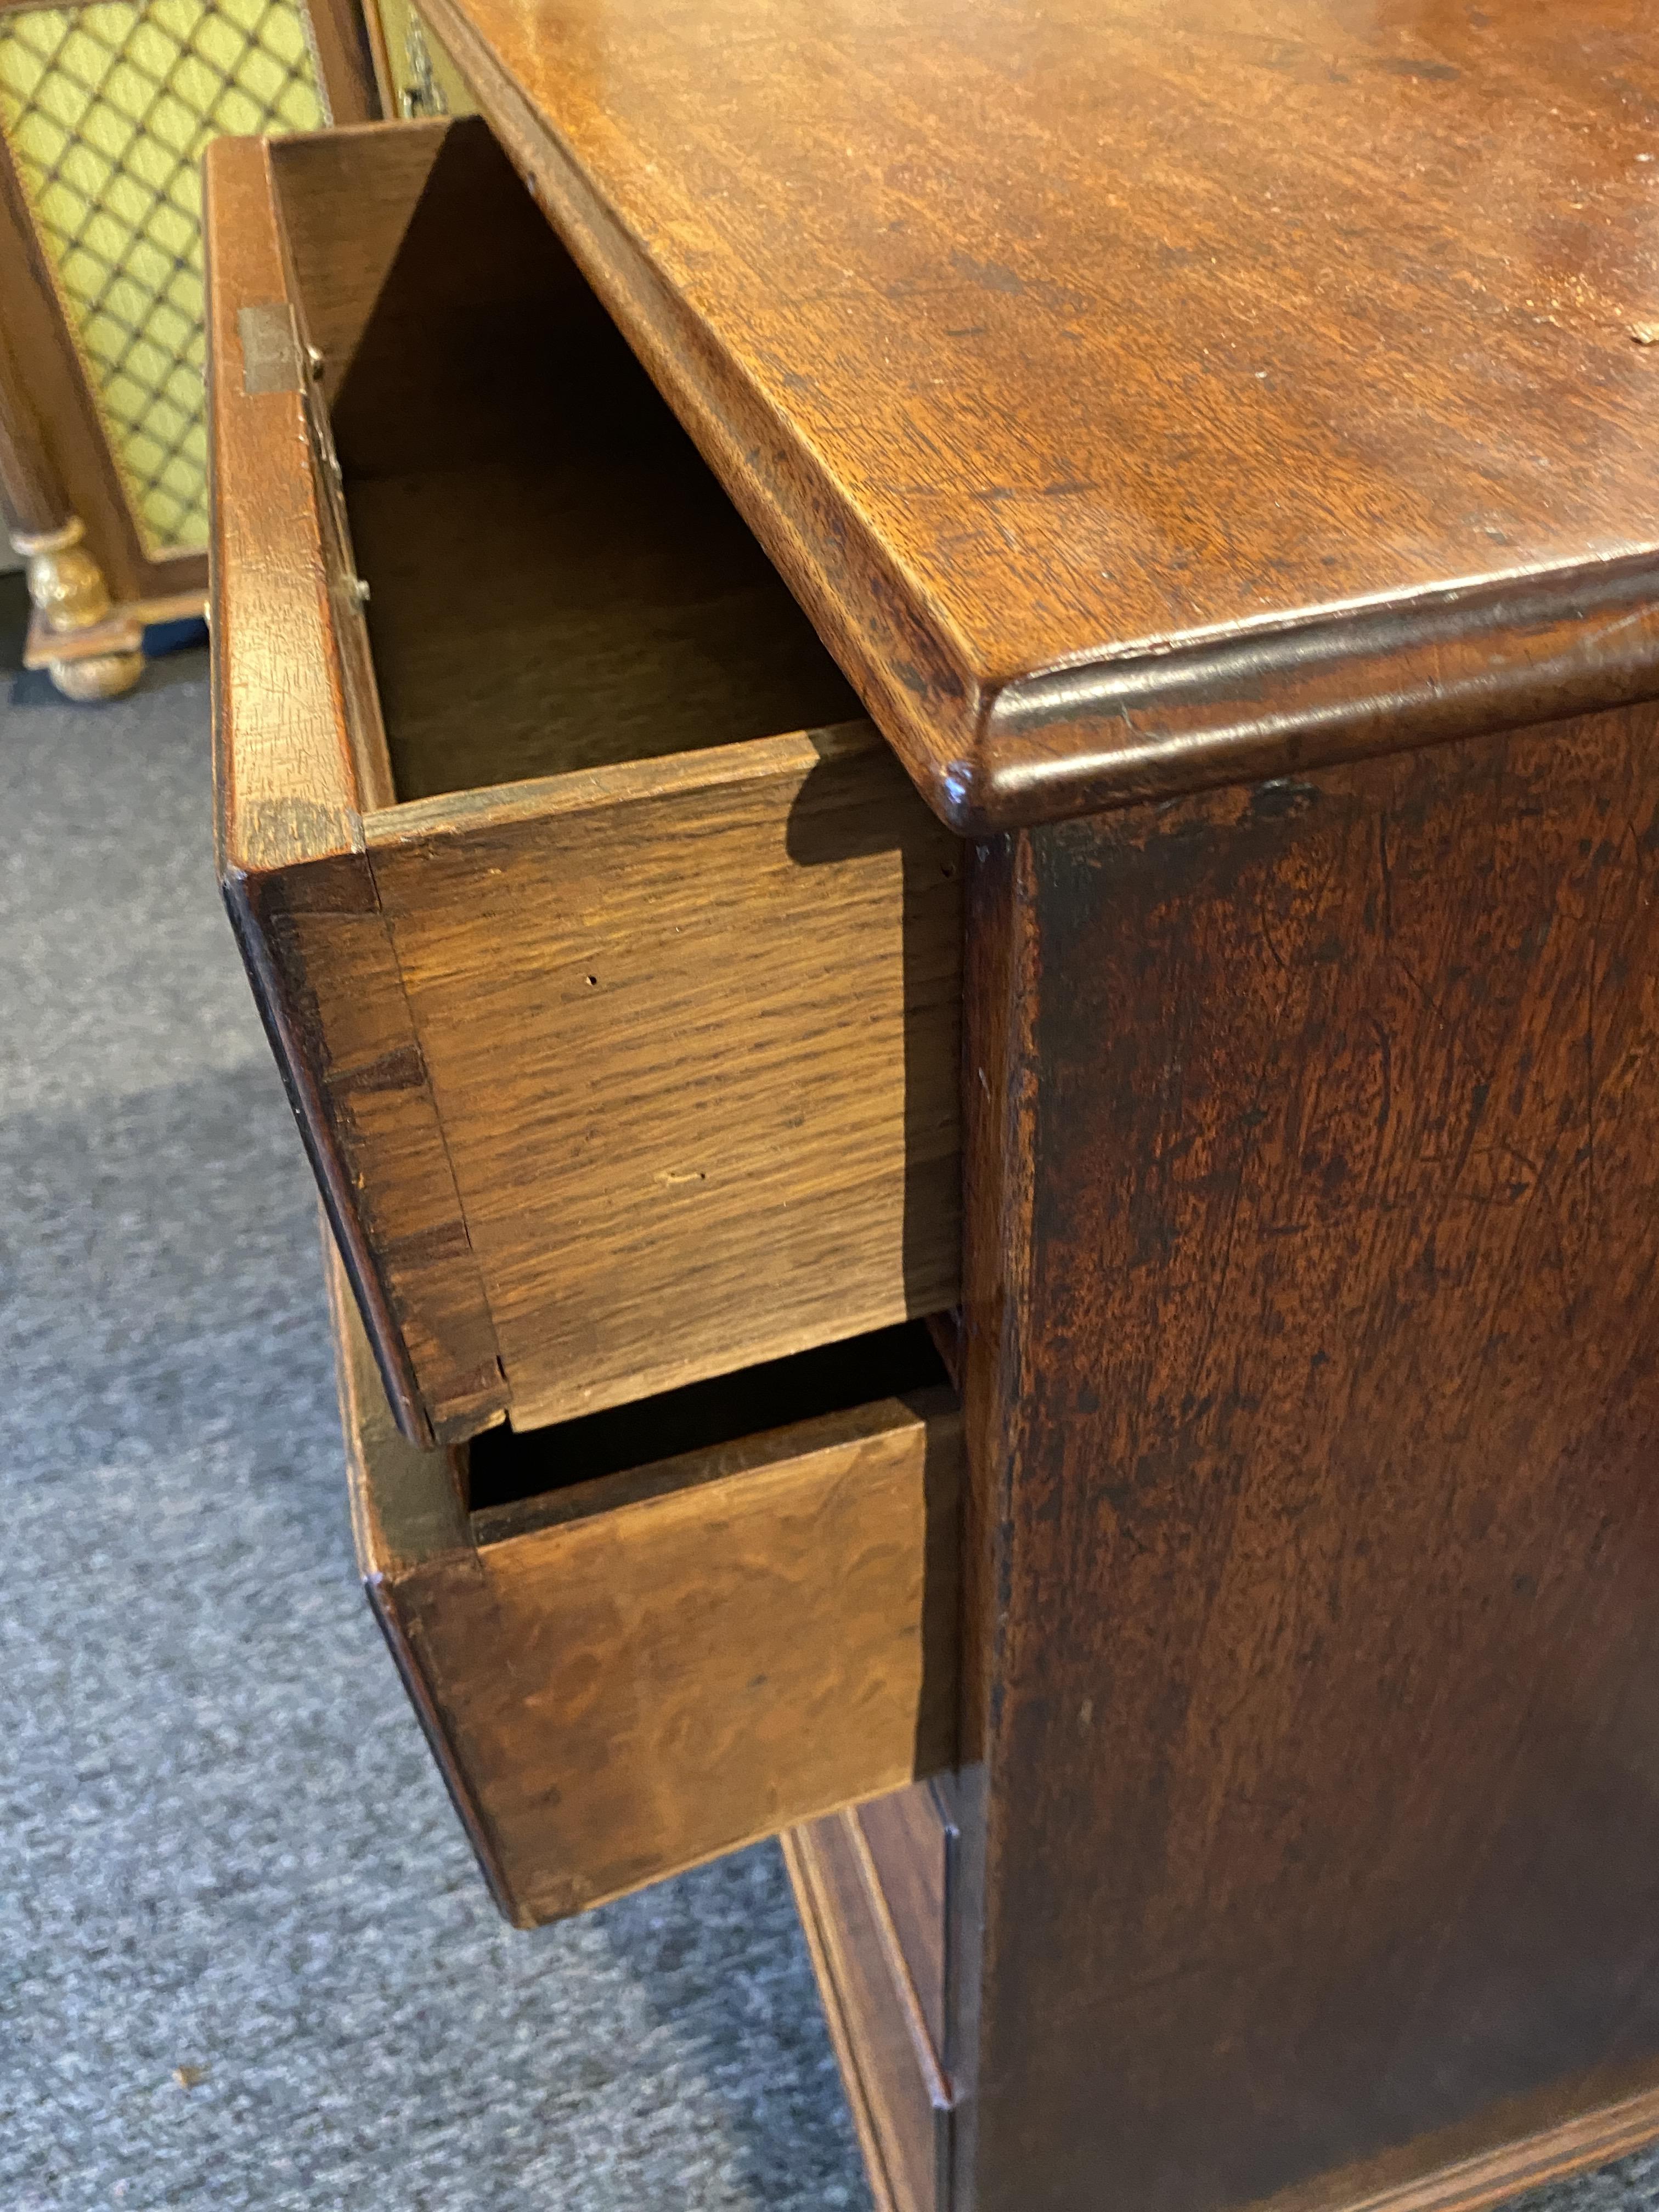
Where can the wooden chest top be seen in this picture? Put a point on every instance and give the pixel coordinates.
(1144, 393)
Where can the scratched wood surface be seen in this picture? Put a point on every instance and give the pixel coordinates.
(632, 1688)
(1139, 396)
(1313, 1385)
(1140, 403)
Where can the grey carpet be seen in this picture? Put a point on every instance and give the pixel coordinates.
(225, 1845)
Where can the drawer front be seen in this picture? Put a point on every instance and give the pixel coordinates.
(614, 1076)
(631, 1676)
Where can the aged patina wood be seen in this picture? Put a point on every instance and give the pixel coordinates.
(615, 975)
(1219, 444)
(640, 1672)
(1313, 1716)
(1146, 395)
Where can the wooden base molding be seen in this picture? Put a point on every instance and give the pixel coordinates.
(1451, 2180)
(900, 2100)
(872, 2011)
(799, 1858)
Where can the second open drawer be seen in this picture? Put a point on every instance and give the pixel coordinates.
(612, 961)
(640, 1639)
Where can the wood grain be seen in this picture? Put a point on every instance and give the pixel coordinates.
(557, 580)
(910, 1841)
(296, 882)
(900, 2100)
(408, 1501)
(518, 1480)
(1141, 396)
(1579, 2126)
(1142, 402)
(31, 497)
(342, 50)
(855, 2049)
(747, 1119)
(340, 263)
(288, 786)
(539, 613)
(407, 1509)
(628, 1690)
(1313, 1633)
(691, 1027)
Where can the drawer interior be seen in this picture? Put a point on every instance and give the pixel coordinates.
(617, 974)
(556, 580)
(513, 1479)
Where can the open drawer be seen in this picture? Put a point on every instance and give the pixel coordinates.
(612, 961)
(646, 1637)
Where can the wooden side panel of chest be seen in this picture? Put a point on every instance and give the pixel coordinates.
(1313, 1388)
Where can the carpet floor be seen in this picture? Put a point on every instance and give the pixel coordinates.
(228, 1852)
(245, 1957)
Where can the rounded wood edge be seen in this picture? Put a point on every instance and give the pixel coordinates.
(992, 750)
(284, 780)
(1338, 687)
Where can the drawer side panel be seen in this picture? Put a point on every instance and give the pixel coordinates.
(692, 1030)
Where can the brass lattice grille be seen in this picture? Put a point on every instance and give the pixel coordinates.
(106, 109)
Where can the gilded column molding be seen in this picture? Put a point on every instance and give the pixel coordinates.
(67, 588)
